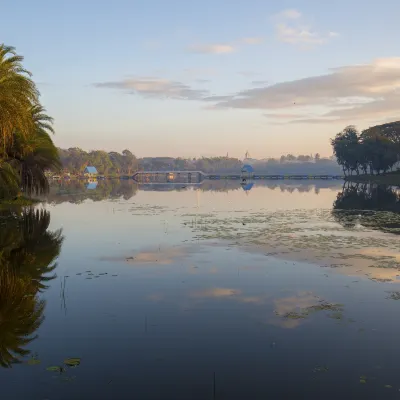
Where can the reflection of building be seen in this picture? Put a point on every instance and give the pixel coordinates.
(247, 171)
(90, 172)
(247, 186)
(91, 185)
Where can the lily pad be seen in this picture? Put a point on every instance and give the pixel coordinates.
(363, 381)
(388, 386)
(54, 368)
(72, 362)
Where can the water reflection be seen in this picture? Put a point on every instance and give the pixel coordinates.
(28, 251)
(77, 191)
(372, 206)
(267, 294)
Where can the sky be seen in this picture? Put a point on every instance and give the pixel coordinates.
(211, 77)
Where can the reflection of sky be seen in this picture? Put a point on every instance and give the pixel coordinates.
(149, 304)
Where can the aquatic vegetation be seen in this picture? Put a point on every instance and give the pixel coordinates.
(72, 362)
(305, 312)
(394, 296)
(55, 368)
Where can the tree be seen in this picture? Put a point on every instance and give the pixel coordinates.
(26, 149)
(34, 153)
(346, 149)
(130, 162)
(17, 94)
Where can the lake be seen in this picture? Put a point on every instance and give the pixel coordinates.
(277, 290)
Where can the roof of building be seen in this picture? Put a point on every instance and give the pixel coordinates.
(247, 168)
(91, 170)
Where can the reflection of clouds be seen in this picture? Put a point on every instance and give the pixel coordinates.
(216, 292)
(155, 255)
(294, 303)
(234, 294)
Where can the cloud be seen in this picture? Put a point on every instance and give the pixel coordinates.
(252, 40)
(290, 27)
(212, 49)
(155, 87)
(349, 93)
(297, 35)
(224, 48)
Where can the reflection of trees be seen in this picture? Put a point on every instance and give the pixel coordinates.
(27, 260)
(76, 191)
(374, 206)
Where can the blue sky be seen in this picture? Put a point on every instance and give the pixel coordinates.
(195, 78)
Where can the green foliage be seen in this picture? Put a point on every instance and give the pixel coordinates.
(375, 149)
(75, 160)
(26, 148)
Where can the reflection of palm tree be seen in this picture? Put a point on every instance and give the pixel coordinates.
(21, 315)
(27, 254)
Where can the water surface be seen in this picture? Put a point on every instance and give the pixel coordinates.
(286, 290)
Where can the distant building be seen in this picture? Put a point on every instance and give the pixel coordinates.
(247, 171)
(90, 172)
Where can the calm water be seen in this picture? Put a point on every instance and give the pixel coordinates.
(282, 291)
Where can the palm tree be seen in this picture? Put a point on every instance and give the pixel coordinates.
(17, 94)
(34, 153)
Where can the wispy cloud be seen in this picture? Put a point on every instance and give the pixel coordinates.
(298, 35)
(224, 48)
(291, 28)
(211, 48)
(370, 91)
(155, 87)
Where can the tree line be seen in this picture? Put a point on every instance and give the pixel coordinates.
(27, 150)
(75, 160)
(374, 150)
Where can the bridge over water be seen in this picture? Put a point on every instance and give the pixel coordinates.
(189, 176)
